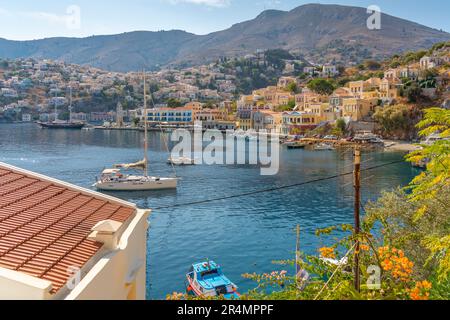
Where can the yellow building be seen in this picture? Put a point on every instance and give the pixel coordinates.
(273, 96)
(63, 242)
(389, 89)
(282, 98)
(358, 88)
(306, 98)
(268, 120)
(245, 124)
(194, 105)
(283, 82)
(357, 109)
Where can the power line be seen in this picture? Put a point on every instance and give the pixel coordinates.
(274, 188)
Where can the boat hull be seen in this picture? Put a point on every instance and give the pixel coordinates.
(72, 126)
(296, 146)
(181, 162)
(193, 290)
(161, 184)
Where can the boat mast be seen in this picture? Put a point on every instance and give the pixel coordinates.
(145, 130)
(56, 108)
(297, 255)
(70, 105)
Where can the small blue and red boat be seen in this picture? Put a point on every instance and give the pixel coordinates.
(206, 279)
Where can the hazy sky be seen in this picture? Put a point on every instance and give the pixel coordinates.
(31, 19)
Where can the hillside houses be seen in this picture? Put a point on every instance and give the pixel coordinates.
(210, 93)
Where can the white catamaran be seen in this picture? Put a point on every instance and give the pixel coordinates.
(115, 180)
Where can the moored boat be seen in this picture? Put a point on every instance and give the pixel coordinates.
(114, 180)
(323, 147)
(294, 145)
(206, 279)
(61, 125)
(181, 161)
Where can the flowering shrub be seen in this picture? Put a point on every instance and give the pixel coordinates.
(395, 262)
(268, 279)
(176, 296)
(327, 252)
(421, 291)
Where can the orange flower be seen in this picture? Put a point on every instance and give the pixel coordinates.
(364, 247)
(421, 291)
(394, 260)
(327, 252)
(176, 296)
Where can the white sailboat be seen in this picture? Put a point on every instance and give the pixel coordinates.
(115, 180)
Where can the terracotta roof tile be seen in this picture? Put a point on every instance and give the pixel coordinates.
(44, 224)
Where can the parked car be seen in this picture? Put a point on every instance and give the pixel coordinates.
(331, 137)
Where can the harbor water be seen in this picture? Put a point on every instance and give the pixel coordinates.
(242, 234)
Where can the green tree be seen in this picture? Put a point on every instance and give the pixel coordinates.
(418, 221)
(292, 87)
(174, 103)
(413, 92)
(372, 65)
(396, 120)
(321, 86)
(136, 121)
(340, 128)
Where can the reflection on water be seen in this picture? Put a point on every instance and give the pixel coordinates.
(242, 234)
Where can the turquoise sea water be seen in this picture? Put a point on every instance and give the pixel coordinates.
(242, 234)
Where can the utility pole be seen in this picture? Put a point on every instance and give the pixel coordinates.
(297, 256)
(357, 185)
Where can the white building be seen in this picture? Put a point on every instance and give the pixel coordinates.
(26, 117)
(9, 93)
(427, 63)
(329, 71)
(310, 70)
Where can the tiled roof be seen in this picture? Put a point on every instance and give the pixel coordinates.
(45, 224)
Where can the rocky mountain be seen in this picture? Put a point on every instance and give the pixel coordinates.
(313, 28)
(123, 52)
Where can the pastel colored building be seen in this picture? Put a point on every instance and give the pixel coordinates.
(427, 63)
(306, 98)
(26, 117)
(357, 109)
(389, 89)
(268, 120)
(329, 70)
(283, 82)
(62, 242)
(299, 122)
(173, 116)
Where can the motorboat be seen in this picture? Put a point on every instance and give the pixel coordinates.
(323, 147)
(206, 279)
(294, 145)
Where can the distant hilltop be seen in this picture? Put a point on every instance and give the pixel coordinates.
(319, 32)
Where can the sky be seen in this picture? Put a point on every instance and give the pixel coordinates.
(31, 19)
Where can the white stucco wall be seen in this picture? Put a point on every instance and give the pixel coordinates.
(20, 286)
(120, 271)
